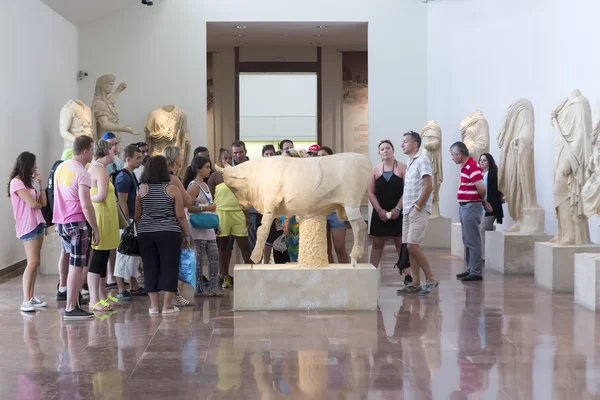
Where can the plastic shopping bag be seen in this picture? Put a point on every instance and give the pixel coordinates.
(187, 267)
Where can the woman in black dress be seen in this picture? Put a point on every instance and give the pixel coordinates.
(385, 193)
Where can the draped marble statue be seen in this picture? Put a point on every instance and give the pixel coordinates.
(591, 189)
(516, 178)
(167, 126)
(75, 120)
(431, 136)
(572, 120)
(476, 134)
(104, 113)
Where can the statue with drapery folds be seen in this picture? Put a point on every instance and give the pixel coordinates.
(572, 120)
(516, 177)
(476, 134)
(167, 126)
(431, 135)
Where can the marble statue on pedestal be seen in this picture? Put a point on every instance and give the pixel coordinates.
(308, 188)
(75, 120)
(167, 126)
(476, 134)
(516, 177)
(591, 189)
(104, 113)
(431, 136)
(572, 120)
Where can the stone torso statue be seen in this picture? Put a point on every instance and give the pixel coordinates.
(106, 118)
(516, 178)
(431, 136)
(476, 134)
(591, 189)
(572, 120)
(75, 120)
(167, 126)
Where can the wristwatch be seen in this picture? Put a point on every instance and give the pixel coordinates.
(398, 208)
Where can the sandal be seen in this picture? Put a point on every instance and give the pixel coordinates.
(113, 300)
(103, 316)
(105, 307)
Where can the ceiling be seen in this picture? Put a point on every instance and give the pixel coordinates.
(80, 12)
(343, 35)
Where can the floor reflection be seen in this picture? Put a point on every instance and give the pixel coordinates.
(500, 339)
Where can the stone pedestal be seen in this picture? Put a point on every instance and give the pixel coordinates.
(555, 265)
(289, 287)
(511, 253)
(457, 247)
(587, 275)
(438, 234)
(312, 250)
(50, 253)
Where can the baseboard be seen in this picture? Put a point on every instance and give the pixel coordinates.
(11, 269)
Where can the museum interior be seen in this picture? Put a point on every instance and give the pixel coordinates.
(374, 200)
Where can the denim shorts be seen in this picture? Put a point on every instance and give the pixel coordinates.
(333, 222)
(34, 234)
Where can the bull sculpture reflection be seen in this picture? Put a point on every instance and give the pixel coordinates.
(278, 186)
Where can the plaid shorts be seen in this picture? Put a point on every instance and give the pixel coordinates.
(76, 240)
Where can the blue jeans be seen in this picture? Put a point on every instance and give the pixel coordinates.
(34, 234)
(470, 219)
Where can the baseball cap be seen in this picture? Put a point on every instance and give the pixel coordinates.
(314, 147)
(108, 136)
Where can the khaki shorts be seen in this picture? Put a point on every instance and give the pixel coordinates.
(414, 226)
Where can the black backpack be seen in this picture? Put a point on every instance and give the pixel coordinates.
(48, 209)
(113, 178)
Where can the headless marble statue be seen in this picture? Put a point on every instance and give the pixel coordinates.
(476, 134)
(431, 136)
(167, 126)
(75, 120)
(516, 177)
(106, 118)
(591, 190)
(572, 120)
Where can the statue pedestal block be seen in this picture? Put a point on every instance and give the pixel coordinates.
(555, 265)
(50, 253)
(457, 248)
(512, 254)
(288, 287)
(587, 278)
(438, 234)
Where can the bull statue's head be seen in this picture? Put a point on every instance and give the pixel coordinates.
(236, 179)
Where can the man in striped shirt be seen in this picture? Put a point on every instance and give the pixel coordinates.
(471, 191)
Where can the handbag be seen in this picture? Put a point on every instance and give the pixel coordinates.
(187, 267)
(129, 244)
(403, 259)
(205, 219)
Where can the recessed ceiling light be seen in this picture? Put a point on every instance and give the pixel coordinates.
(240, 35)
(322, 26)
(240, 26)
(315, 43)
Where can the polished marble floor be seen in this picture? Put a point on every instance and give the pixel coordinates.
(498, 339)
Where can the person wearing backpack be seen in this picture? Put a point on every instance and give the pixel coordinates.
(126, 186)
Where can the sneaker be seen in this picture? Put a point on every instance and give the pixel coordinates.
(472, 278)
(181, 301)
(27, 306)
(460, 276)
(61, 296)
(408, 289)
(124, 296)
(204, 280)
(37, 303)
(78, 313)
(109, 286)
(82, 300)
(427, 287)
(407, 280)
(227, 282)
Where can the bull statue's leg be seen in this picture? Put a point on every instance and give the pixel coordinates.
(359, 230)
(261, 236)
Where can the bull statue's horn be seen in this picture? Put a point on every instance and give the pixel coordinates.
(218, 168)
(225, 164)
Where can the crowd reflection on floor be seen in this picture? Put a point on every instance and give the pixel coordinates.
(500, 339)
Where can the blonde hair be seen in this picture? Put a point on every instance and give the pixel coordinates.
(296, 153)
(171, 153)
(101, 149)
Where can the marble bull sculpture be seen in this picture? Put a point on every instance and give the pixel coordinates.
(289, 186)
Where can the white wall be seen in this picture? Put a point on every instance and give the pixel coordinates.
(160, 52)
(486, 54)
(38, 69)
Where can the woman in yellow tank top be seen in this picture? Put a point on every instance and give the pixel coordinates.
(104, 201)
(233, 222)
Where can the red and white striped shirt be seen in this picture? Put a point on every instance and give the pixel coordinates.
(469, 174)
